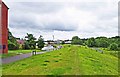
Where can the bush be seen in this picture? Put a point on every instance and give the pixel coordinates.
(76, 40)
(12, 46)
(91, 42)
(103, 42)
(40, 43)
(113, 46)
(63, 42)
(26, 45)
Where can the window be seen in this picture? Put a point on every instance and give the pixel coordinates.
(4, 46)
(0, 46)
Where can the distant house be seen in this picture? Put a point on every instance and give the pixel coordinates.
(20, 42)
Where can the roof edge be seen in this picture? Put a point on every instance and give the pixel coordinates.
(5, 4)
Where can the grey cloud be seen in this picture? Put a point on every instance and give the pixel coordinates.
(101, 9)
(89, 6)
(52, 26)
(35, 7)
(22, 17)
(59, 26)
(30, 23)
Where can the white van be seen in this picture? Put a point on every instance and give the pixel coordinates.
(48, 48)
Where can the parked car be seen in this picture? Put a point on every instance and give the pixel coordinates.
(59, 47)
(48, 48)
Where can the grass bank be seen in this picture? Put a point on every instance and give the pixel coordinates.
(70, 60)
(16, 52)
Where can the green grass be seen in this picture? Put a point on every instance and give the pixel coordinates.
(111, 52)
(70, 60)
(16, 52)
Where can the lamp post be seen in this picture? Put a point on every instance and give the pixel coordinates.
(53, 37)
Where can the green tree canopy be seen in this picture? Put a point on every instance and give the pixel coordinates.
(102, 42)
(40, 42)
(113, 46)
(12, 42)
(91, 42)
(30, 42)
(76, 40)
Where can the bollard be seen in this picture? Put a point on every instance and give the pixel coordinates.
(33, 52)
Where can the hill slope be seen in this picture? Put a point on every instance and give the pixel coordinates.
(70, 60)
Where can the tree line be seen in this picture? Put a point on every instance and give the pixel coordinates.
(30, 42)
(112, 43)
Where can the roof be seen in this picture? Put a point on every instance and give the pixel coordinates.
(5, 4)
(20, 41)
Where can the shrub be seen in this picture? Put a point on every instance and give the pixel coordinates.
(113, 46)
(40, 42)
(26, 45)
(76, 40)
(12, 46)
(63, 42)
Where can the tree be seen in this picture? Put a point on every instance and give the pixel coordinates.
(76, 40)
(11, 46)
(91, 42)
(63, 42)
(12, 42)
(30, 42)
(102, 42)
(26, 45)
(117, 40)
(40, 42)
(113, 46)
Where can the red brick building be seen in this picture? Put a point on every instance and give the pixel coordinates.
(4, 28)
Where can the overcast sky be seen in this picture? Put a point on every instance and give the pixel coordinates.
(63, 19)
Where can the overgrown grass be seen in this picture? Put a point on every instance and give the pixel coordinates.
(70, 60)
(16, 52)
(111, 52)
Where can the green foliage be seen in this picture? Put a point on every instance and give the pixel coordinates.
(12, 42)
(26, 45)
(113, 46)
(91, 42)
(76, 40)
(30, 43)
(97, 42)
(63, 42)
(102, 42)
(11, 45)
(117, 40)
(40, 42)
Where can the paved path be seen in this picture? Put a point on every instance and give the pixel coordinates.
(99, 50)
(19, 57)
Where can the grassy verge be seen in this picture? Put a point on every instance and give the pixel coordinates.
(70, 60)
(16, 52)
(111, 52)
